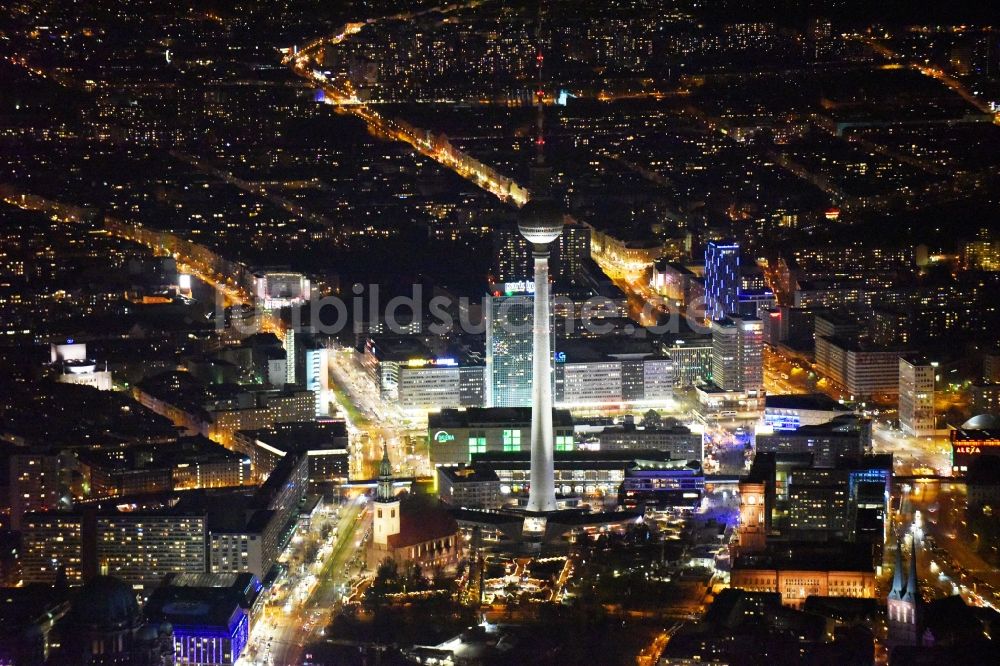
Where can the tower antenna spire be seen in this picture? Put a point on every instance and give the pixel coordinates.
(540, 173)
(539, 91)
(912, 588)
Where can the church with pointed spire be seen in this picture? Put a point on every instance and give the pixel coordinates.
(904, 604)
(385, 522)
(409, 528)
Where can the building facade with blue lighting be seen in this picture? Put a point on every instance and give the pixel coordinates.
(722, 279)
(210, 614)
(663, 485)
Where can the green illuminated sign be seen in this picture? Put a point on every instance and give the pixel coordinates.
(441, 437)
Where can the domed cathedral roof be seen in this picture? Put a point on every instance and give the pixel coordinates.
(106, 603)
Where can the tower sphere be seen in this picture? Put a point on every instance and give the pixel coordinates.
(540, 221)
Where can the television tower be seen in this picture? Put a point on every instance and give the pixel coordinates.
(541, 223)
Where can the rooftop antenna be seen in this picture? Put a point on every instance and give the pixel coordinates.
(540, 173)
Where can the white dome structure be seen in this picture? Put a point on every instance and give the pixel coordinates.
(982, 422)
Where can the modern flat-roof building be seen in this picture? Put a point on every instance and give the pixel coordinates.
(408, 374)
(472, 487)
(916, 396)
(755, 302)
(251, 539)
(846, 435)
(509, 317)
(218, 411)
(672, 280)
(788, 412)
(662, 484)
(581, 473)
(672, 438)
(324, 443)
(226, 530)
(722, 279)
(787, 498)
(737, 354)
(593, 373)
(190, 462)
(275, 290)
(142, 548)
(37, 479)
(139, 546)
(456, 435)
(211, 621)
(52, 542)
(692, 361)
(818, 502)
(863, 371)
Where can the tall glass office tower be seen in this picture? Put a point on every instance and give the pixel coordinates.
(509, 318)
(722, 279)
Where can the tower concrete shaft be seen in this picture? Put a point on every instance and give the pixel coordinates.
(542, 493)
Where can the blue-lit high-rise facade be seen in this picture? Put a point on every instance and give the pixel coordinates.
(722, 279)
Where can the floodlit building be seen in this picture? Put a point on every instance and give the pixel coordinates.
(470, 487)
(410, 528)
(317, 375)
(916, 396)
(75, 367)
(587, 376)
(789, 412)
(692, 361)
(275, 290)
(797, 572)
(409, 375)
(904, 602)
(672, 280)
(738, 354)
(592, 474)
